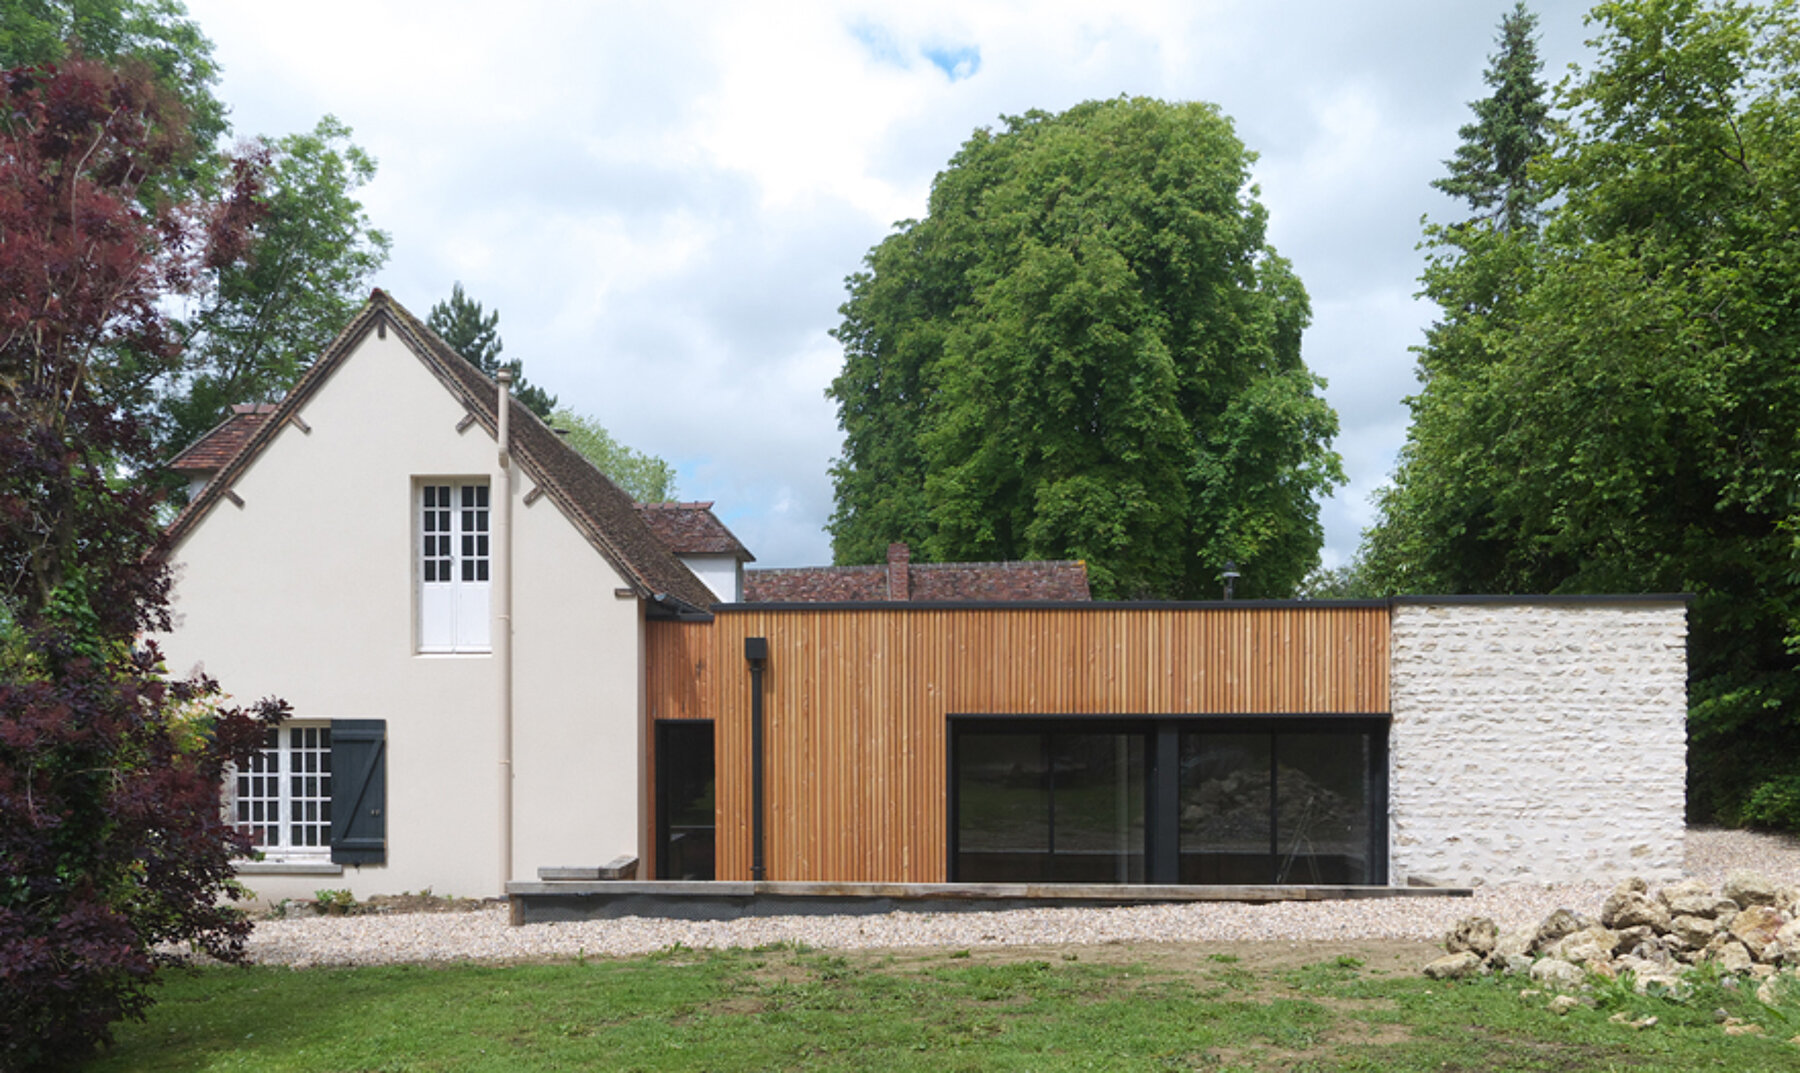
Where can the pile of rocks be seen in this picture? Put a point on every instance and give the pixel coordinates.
(1749, 929)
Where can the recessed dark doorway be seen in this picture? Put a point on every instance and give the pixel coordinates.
(686, 817)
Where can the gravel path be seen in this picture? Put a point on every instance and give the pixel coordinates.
(485, 935)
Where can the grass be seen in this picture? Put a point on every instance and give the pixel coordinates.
(787, 1008)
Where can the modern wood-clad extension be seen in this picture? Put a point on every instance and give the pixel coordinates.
(857, 701)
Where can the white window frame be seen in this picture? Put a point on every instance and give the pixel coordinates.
(283, 796)
(452, 564)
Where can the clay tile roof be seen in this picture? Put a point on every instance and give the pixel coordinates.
(816, 585)
(209, 453)
(692, 529)
(599, 508)
(900, 580)
(1056, 580)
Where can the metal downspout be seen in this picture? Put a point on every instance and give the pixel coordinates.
(503, 620)
(756, 651)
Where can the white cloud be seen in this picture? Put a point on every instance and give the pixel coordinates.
(663, 200)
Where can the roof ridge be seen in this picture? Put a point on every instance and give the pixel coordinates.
(445, 360)
(664, 574)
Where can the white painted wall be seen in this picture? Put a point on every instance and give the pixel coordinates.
(1537, 742)
(307, 592)
(723, 574)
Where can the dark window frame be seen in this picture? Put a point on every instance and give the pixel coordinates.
(1162, 735)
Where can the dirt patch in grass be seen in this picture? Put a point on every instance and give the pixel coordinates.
(1389, 957)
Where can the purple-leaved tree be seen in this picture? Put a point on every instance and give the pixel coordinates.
(112, 839)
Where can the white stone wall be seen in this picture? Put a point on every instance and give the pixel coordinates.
(1540, 742)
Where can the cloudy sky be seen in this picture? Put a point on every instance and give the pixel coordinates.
(663, 199)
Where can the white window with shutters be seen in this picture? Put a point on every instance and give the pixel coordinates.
(452, 566)
(282, 797)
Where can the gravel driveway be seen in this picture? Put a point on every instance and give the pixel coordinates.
(484, 935)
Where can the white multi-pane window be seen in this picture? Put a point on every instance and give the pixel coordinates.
(453, 567)
(283, 795)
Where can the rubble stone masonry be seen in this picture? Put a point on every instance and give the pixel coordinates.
(1537, 741)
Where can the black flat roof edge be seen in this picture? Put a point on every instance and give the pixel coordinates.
(1550, 598)
(1596, 599)
(1042, 605)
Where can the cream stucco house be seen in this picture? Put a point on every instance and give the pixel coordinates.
(348, 558)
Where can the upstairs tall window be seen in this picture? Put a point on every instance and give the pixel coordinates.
(453, 567)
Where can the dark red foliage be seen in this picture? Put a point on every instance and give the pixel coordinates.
(113, 842)
(112, 838)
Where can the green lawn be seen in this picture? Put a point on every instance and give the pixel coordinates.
(942, 1012)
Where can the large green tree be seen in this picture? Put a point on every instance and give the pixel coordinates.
(159, 32)
(265, 320)
(259, 322)
(475, 335)
(1477, 266)
(1088, 350)
(644, 477)
(1635, 423)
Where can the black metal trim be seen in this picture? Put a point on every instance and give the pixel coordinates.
(1110, 720)
(952, 801)
(1162, 815)
(662, 607)
(1042, 605)
(1378, 809)
(1204, 605)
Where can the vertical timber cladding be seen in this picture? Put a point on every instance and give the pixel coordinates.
(857, 698)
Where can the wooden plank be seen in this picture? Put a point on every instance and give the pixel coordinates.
(857, 700)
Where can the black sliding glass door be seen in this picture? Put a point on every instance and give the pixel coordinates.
(1169, 800)
(1280, 807)
(1051, 807)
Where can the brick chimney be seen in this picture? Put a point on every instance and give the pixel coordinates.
(899, 572)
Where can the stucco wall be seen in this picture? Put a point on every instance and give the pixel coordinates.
(723, 574)
(1537, 741)
(307, 592)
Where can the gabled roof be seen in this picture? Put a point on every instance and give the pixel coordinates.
(210, 452)
(692, 529)
(601, 510)
(901, 579)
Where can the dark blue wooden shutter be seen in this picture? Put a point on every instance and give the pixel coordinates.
(358, 791)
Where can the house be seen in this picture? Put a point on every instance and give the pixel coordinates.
(353, 558)
(502, 669)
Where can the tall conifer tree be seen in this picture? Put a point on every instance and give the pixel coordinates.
(476, 336)
(1511, 127)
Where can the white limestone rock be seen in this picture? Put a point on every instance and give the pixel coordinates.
(1748, 888)
(1457, 966)
(1693, 932)
(1557, 974)
(1757, 927)
(1477, 935)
